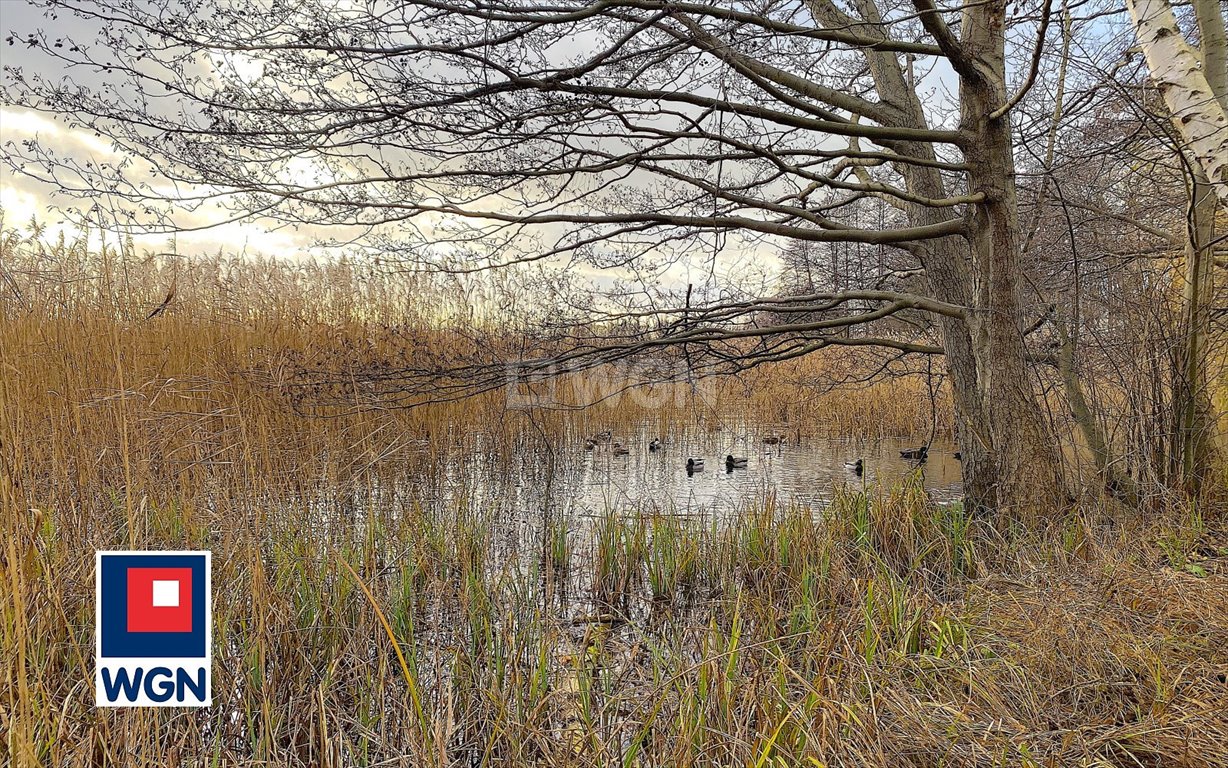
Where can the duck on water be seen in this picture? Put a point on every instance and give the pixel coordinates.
(735, 462)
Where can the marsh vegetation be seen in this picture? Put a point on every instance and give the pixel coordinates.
(635, 383)
(373, 606)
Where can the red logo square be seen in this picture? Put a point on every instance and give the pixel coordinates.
(159, 599)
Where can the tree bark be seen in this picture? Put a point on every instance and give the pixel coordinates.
(1214, 48)
(1197, 421)
(1200, 118)
(1025, 453)
(1010, 462)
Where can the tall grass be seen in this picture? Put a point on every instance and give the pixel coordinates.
(363, 619)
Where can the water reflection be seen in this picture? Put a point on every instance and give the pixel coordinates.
(806, 470)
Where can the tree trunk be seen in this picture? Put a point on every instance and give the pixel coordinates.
(1214, 48)
(1024, 450)
(1201, 119)
(978, 470)
(1009, 454)
(1196, 417)
(1119, 484)
(1195, 88)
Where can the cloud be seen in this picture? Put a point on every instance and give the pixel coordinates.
(24, 197)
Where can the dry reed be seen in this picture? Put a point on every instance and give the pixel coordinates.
(883, 631)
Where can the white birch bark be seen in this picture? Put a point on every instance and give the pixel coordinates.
(1177, 69)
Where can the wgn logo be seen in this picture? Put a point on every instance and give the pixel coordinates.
(153, 621)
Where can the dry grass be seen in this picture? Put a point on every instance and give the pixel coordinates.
(883, 632)
(884, 636)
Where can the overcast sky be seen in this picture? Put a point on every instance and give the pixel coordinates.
(22, 197)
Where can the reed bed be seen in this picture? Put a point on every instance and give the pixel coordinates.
(883, 631)
(359, 623)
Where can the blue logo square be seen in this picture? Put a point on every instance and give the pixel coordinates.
(117, 641)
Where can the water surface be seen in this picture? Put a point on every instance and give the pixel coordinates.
(569, 480)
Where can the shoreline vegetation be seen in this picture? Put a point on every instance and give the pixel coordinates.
(634, 384)
(355, 625)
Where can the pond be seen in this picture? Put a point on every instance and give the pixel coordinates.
(570, 479)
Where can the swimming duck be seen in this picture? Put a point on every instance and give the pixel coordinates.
(735, 463)
(919, 454)
(590, 444)
(694, 465)
(654, 445)
(773, 440)
(621, 451)
(856, 467)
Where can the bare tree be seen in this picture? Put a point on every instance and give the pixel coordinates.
(609, 134)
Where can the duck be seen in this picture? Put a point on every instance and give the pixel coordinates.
(919, 454)
(773, 440)
(694, 465)
(590, 444)
(621, 450)
(856, 467)
(732, 462)
(654, 445)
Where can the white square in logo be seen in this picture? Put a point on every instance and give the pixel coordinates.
(165, 594)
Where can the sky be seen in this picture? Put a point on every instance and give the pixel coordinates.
(23, 198)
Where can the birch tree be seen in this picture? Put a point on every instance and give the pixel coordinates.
(1194, 85)
(1184, 77)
